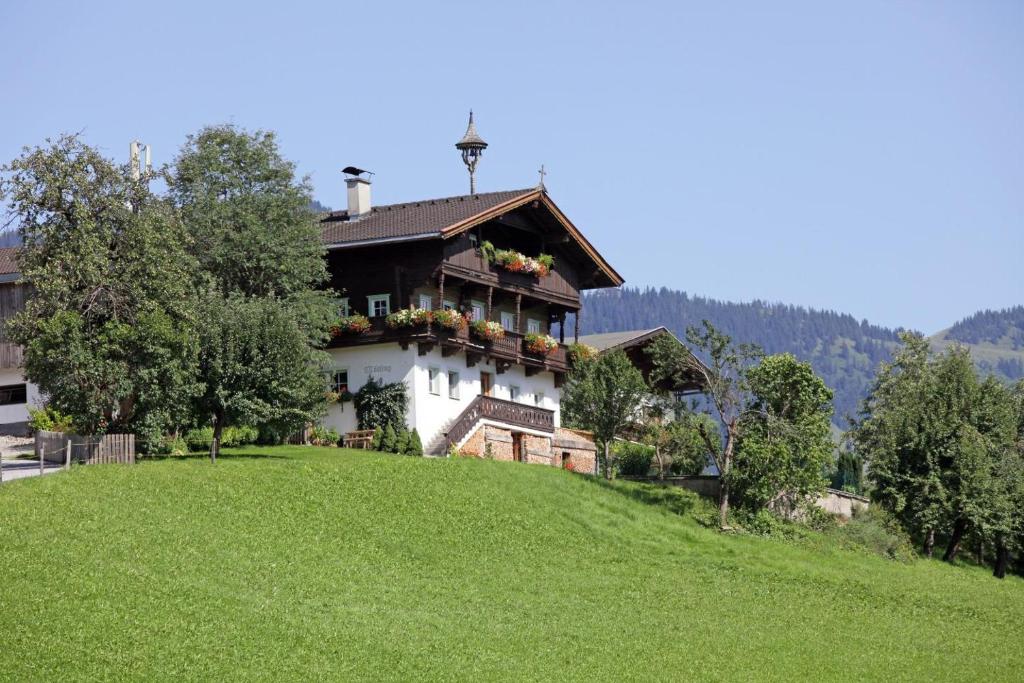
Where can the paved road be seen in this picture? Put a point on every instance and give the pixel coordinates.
(19, 469)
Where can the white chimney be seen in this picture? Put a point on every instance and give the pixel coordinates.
(358, 196)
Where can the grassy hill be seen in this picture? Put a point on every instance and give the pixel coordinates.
(843, 350)
(299, 563)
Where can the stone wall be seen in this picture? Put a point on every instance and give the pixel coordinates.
(575, 449)
(566, 447)
(842, 503)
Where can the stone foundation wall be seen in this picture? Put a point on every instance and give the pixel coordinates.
(567, 447)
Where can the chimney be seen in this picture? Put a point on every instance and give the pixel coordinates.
(358, 191)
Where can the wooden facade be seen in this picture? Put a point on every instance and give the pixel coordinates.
(12, 301)
(453, 272)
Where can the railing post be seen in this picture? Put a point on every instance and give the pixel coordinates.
(67, 456)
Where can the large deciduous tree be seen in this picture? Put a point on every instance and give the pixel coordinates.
(604, 395)
(261, 277)
(108, 326)
(943, 449)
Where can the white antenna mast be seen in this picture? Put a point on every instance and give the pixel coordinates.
(140, 165)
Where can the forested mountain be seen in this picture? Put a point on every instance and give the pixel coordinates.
(843, 350)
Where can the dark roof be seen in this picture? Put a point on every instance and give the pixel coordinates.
(606, 341)
(9, 260)
(412, 220)
(634, 344)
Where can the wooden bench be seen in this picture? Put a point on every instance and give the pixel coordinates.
(359, 439)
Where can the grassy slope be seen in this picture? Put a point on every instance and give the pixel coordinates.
(981, 351)
(328, 563)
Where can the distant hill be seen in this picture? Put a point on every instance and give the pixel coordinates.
(996, 339)
(843, 350)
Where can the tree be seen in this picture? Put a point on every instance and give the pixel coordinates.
(603, 395)
(785, 443)
(943, 448)
(675, 436)
(724, 385)
(108, 328)
(260, 258)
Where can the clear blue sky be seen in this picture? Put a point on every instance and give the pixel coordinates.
(867, 158)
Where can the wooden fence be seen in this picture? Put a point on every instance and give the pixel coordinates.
(87, 450)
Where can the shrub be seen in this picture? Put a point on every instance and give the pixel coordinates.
(632, 458)
(389, 440)
(876, 530)
(415, 444)
(324, 436)
(199, 439)
(381, 405)
(378, 436)
(402, 441)
(48, 419)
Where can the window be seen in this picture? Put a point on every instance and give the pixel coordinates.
(533, 325)
(434, 376)
(508, 321)
(453, 385)
(379, 305)
(13, 394)
(339, 381)
(448, 305)
(538, 399)
(477, 307)
(513, 393)
(474, 240)
(344, 309)
(426, 302)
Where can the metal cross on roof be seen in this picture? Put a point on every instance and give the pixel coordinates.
(542, 173)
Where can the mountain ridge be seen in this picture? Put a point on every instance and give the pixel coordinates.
(843, 350)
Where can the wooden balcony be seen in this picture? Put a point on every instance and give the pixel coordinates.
(510, 350)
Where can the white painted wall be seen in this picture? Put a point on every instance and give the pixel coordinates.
(386, 362)
(18, 412)
(432, 413)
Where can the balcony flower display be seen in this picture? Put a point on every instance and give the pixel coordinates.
(580, 353)
(488, 330)
(450, 319)
(516, 262)
(351, 324)
(408, 317)
(540, 343)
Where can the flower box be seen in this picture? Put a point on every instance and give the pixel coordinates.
(517, 262)
(408, 317)
(449, 319)
(351, 324)
(542, 344)
(580, 353)
(488, 330)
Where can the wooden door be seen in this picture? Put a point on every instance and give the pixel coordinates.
(486, 383)
(517, 446)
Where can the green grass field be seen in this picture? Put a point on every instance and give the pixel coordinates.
(300, 564)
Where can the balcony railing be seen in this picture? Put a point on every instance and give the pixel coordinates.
(510, 348)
